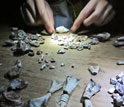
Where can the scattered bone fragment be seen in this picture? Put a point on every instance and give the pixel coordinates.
(86, 46)
(21, 34)
(69, 86)
(94, 41)
(18, 63)
(43, 66)
(119, 88)
(61, 51)
(39, 52)
(118, 43)
(52, 60)
(94, 70)
(42, 101)
(18, 84)
(52, 67)
(54, 36)
(13, 97)
(87, 103)
(62, 29)
(62, 64)
(111, 90)
(34, 43)
(120, 63)
(10, 42)
(113, 80)
(120, 38)
(41, 59)
(14, 72)
(46, 61)
(80, 48)
(31, 53)
(91, 89)
(103, 36)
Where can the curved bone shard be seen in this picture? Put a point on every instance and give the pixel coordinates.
(62, 29)
(40, 102)
(91, 89)
(61, 51)
(94, 70)
(55, 86)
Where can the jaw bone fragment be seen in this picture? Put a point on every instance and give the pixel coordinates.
(62, 29)
(94, 70)
(69, 86)
(120, 63)
(103, 36)
(91, 89)
(42, 101)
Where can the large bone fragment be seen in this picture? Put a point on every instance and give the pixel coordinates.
(62, 29)
(120, 63)
(91, 89)
(42, 101)
(70, 85)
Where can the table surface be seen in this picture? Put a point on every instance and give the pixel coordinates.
(104, 54)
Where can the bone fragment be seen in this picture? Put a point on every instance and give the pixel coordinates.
(62, 29)
(87, 103)
(118, 43)
(94, 70)
(111, 90)
(120, 63)
(43, 66)
(120, 38)
(113, 80)
(18, 63)
(61, 51)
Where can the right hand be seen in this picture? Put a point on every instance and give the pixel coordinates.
(38, 12)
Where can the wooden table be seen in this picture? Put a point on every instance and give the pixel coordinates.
(103, 54)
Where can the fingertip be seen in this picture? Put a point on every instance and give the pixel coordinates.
(73, 29)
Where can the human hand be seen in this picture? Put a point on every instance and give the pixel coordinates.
(38, 12)
(98, 12)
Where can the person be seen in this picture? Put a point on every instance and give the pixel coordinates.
(40, 12)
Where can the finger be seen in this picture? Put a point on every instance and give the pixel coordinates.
(88, 9)
(103, 17)
(96, 14)
(109, 18)
(43, 15)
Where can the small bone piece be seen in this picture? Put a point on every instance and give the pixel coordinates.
(14, 28)
(52, 60)
(87, 103)
(69, 86)
(103, 36)
(34, 43)
(31, 53)
(62, 64)
(18, 84)
(120, 38)
(111, 90)
(119, 88)
(39, 52)
(62, 29)
(120, 63)
(91, 89)
(52, 67)
(42, 101)
(41, 59)
(18, 63)
(118, 43)
(54, 36)
(94, 70)
(113, 80)
(61, 51)
(120, 75)
(94, 41)
(43, 66)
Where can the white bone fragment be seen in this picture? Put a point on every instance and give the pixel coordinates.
(87, 103)
(118, 43)
(94, 70)
(55, 86)
(43, 66)
(113, 80)
(111, 90)
(69, 86)
(40, 102)
(18, 63)
(52, 67)
(62, 64)
(54, 36)
(62, 29)
(120, 38)
(61, 51)
(119, 88)
(94, 41)
(120, 75)
(91, 89)
(120, 63)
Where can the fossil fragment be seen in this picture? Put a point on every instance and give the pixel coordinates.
(118, 43)
(94, 41)
(111, 90)
(54, 36)
(52, 67)
(87, 103)
(43, 66)
(69, 86)
(52, 60)
(34, 43)
(1, 64)
(91, 89)
(62, 64)
(80, 48)
(18, 84)
(13, 97)
(21, 34)
(39, 52)
(42, 101)
(120, 63)
(14, 72)
(61, 51)
(103, 36)
(120, 38)
(10, 42)
(119, 88)
(31, 53)
(18, 63)
(94, 70)
(113, 81)
(46, 61)
(62, 29)
(41, 58)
